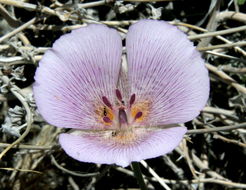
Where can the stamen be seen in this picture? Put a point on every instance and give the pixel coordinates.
(138, 115)
(118, 94)
(132, 99)
(106, 102)
(106, 120)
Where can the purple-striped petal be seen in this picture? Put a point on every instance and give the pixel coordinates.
(165, 69)
(72, 77)
(99, 148)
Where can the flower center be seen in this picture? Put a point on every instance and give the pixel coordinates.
(122, 115)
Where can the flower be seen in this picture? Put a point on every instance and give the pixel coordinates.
(121, 111)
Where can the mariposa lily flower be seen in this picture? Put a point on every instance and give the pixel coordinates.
(121, 110)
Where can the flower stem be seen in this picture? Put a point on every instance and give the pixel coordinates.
(138, 175)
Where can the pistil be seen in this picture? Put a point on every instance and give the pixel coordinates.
(123, 122)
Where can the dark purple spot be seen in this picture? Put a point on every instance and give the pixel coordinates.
(106, 120)
(138, 115)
